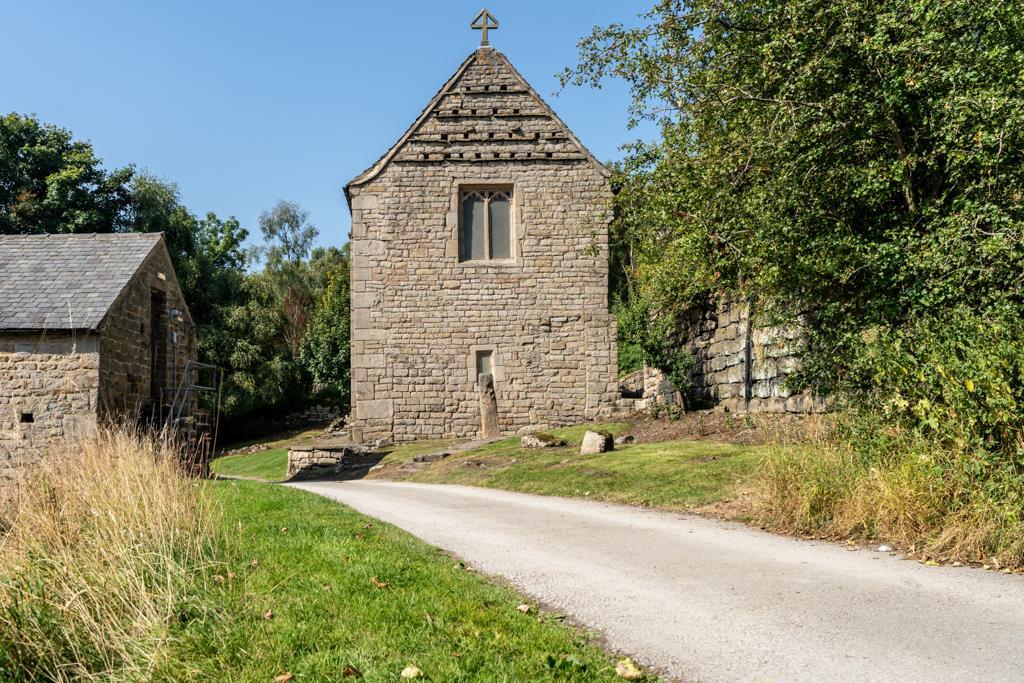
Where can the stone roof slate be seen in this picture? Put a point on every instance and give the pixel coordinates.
(66, 282)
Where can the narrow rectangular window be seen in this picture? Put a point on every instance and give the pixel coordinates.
(484, 363)
(485, 225)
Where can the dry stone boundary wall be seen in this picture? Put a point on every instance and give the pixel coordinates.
(741, 365)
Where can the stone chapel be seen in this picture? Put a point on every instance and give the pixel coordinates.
(479, 246)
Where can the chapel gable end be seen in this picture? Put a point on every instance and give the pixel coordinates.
(486, 112)
(489, 114)
(479, 269)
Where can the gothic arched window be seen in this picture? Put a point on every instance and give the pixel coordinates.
(485, 225)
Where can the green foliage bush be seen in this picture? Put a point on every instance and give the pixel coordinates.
(957, 380)
(929, 455)
(52, 183)
(325, 347)
(655, 341)
(630, 357)
(897, 487)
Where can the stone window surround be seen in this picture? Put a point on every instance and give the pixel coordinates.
(461, 185)
(497, 367)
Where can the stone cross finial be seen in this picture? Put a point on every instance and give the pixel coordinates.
(485, 20)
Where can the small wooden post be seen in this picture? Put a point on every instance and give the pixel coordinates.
(488, 406)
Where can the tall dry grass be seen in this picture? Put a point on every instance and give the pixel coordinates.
(929, 502)
(101, 545)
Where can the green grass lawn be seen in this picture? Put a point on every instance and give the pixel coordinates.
(314, 588)
(270, 465)
(672, 475)
(403, 452)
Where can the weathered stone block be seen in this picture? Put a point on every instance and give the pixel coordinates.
(597, 442)
(541, 440)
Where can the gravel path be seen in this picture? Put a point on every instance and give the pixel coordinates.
(704, 600)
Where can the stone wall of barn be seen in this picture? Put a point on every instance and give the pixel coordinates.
(124, 342)
(49, 385)
(419, 314)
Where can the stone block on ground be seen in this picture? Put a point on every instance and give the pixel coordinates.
(321, 459)
(624, 439)
(541, 440)
(597, 442)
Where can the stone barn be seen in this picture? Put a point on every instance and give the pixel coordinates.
(91, 327)
(479, 245)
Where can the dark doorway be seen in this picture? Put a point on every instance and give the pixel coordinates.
(157, 346)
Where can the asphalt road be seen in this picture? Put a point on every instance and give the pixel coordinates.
(704, 600)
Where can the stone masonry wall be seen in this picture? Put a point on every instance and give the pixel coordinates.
(419, 314)
(124, 341)
(53, 381)
(741, 365)
(317, 460)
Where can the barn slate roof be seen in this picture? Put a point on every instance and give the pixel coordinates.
(66, 282)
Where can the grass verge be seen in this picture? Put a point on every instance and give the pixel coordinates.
(114, 567)
(279, 440)
(272, 464)
(316, 590)
(100, 549)
(269, 465)
(673, 475)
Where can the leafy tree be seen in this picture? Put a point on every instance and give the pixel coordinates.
(51, 183)
(209, 256)
(288, 239)
(215, 284)
(262, 373)
(325, 348)
(287, 234)
(155, 206)
(859, 161)
(286, 343)
(217, 267)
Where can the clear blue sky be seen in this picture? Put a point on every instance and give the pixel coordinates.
(243, 103)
